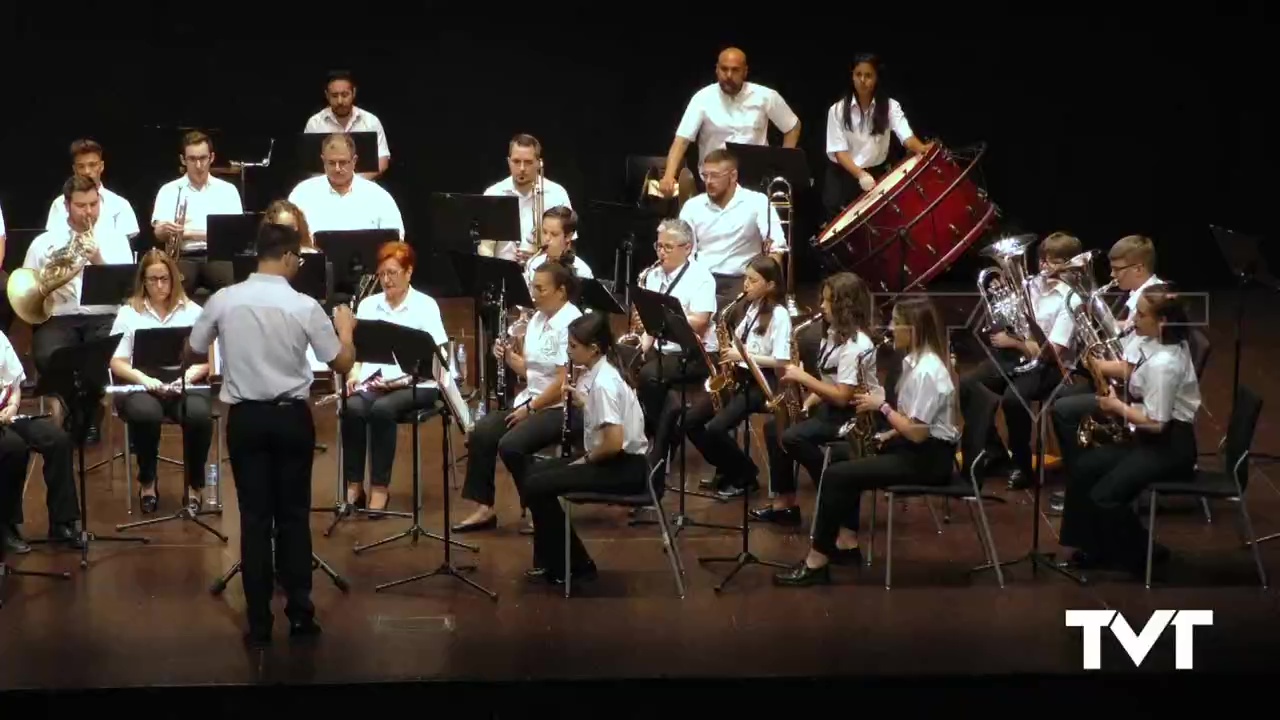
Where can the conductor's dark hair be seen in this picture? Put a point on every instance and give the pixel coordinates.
(879, 115)
(276, 240)
(335, 75)
(562, 276)
(75, 184)
(593, 329)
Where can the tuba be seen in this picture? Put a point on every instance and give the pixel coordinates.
(722, 383)
(29, 290)
(791, 395)
(1005, 292)
(860, 430)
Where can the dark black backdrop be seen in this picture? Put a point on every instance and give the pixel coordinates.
(1098, 126)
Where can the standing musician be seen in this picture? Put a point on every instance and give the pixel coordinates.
(730, 226)
(342, 200)
(342, 116)
(86, 161)
(1049, 298)
(1098, 517)
(524, 162)
(919, 448)
(181, 215)
(846, 358)
(765, 332)
(266, 326)
(613, 435)
(46, 437)
(729, 110)
(858, 127)
(378, 395)
(559, 229)
(159, 301)
(538, 416)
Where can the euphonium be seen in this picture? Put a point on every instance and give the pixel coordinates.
(1008, 303)
(1098, 334)
(860, 431)
(722, 378)
(29, 290)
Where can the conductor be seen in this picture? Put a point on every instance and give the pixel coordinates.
(265, 327)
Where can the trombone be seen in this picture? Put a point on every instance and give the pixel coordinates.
(779, 192)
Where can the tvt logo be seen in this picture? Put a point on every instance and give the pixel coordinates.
(1138, 645)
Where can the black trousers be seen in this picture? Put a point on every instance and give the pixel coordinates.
(622, 474)
(6, 309)
(1016, 392)
(492, 439)
(1097, 515)
(144, 412)
(200, 272)
(47, 438)
(900, 462)
(709, 430)
(272, 445)
(14, 456)
(802, 443)
(661, 377)
(378, 414)
(1076, 402)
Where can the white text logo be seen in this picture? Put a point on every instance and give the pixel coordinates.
(1139, 644)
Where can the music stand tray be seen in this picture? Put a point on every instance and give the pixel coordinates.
(107, 284)
(760, 164)
(366, 151)
(229, 236)
(354, 252)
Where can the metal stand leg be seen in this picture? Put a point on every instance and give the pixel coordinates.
(6, 571)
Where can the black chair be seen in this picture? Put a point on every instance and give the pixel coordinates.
(1200, 348)
(649, 498)
(1230, 483)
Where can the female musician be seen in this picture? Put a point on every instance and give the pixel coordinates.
(846, 358)
(1104, 480)
(539, 411)
(378, 395)
(765, 332)
(919, 448)
(858, 138)
(613, 435)
(559, 228)
(159, 300)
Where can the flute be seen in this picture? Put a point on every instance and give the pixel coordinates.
(334, 397)
(114, 389)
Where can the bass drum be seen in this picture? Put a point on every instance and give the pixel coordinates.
(913, 225)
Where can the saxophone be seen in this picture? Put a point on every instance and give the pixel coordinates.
(722, 383)
(29, 290)
(791, 395)
(636, 328)
(860, 431)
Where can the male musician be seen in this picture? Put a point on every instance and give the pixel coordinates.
(270, 428)
(195, 196)
(86, 161)
(1043, 368)
(46, 437)
(72, 323)
(730, 225)
(730, 110)
(524, 157)
(342, 200)
(342, 116)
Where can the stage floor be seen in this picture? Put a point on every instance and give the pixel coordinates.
(144, 615)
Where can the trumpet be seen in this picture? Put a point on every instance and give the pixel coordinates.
(173, 246)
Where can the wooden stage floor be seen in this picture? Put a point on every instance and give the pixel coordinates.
(144, 616)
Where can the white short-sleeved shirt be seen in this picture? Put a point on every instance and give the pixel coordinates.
(776, 340)
(365, 206)
(1054, 317)
(1166, 382)
(11, 371)
(360, 120)
(546, 350)
(611, 401)
(925, 394)
(726, 238)
(113, 247)
(844, 363)
(217, 197)
(114, 212)
(1, 222)
(714, 118)
(580, 267)
(418, 310)
(866, 150)
(696, 291)
(129, 321)
(553, 195)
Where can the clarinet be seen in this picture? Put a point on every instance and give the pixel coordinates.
(568, 405)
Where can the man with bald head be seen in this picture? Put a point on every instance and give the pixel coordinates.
(730, 110)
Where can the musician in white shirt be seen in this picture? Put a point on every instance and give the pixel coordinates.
(195, 196)
(919, 448)
(858, 126)
(846, 358)
(524, 157)
(1163, 399)
(117, 213)
(731, 225)
(342, 200)
(343, 116)
(730, 110)
(764, 331)
(379, 395)
(158, 302)
(612, 431)
(538, 412)
(559, 228)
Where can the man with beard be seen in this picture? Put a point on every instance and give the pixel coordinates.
(343, 116)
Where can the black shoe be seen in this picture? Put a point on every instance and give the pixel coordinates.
(466, 527)
(257, 639)
(586, 572)
(716, 482)
(779, 516)
(13, 542)
(304, 629)
(66, 534)
(846, 556)
(800, 575)
(1020, 479)
(728, 492)
(535, 573)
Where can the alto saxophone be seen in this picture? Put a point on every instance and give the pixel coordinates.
(792, 394)
(860, 431)
(636, 328)
(722, 383)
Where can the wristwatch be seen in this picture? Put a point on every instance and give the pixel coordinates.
(885, 408)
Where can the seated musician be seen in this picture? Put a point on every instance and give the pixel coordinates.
(343, 115)
(195, 196)
(341, 199)
(117, 213)
(538, 414)
(283, 212)
(559, 228)
(1098, 518)
(1051, 299)
(846, 358)
(918, 449)
(524, 158)
(613, 436)
(72, 323)
(159, 301)
(380, 394)
(765, 332)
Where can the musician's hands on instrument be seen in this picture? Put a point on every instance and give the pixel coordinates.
(795, 373)
(866, 181)
(352, 382)
(868, 402)
(193, 374)
(153, 385)
(881, 438)
(579, 397)
(1112, 404)
(811, 401)
(1004, 341)
(8, 413)
(516, 416)
(731, 355)
(343, 320)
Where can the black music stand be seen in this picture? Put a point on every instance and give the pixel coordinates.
(353, 252)
(594, 295)
(159, 352)
(228, 236)
(317, 563)
(366, 151)
(460, 220)
(78, 375)
(608, 221)
(663, 319)
(496, 284)
(108, 284)
(416, 351)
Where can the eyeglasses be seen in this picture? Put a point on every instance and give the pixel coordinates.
(157, 280)
(668, 247)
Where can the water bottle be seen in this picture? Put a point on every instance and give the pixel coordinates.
(460, 366)
(211, 483)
